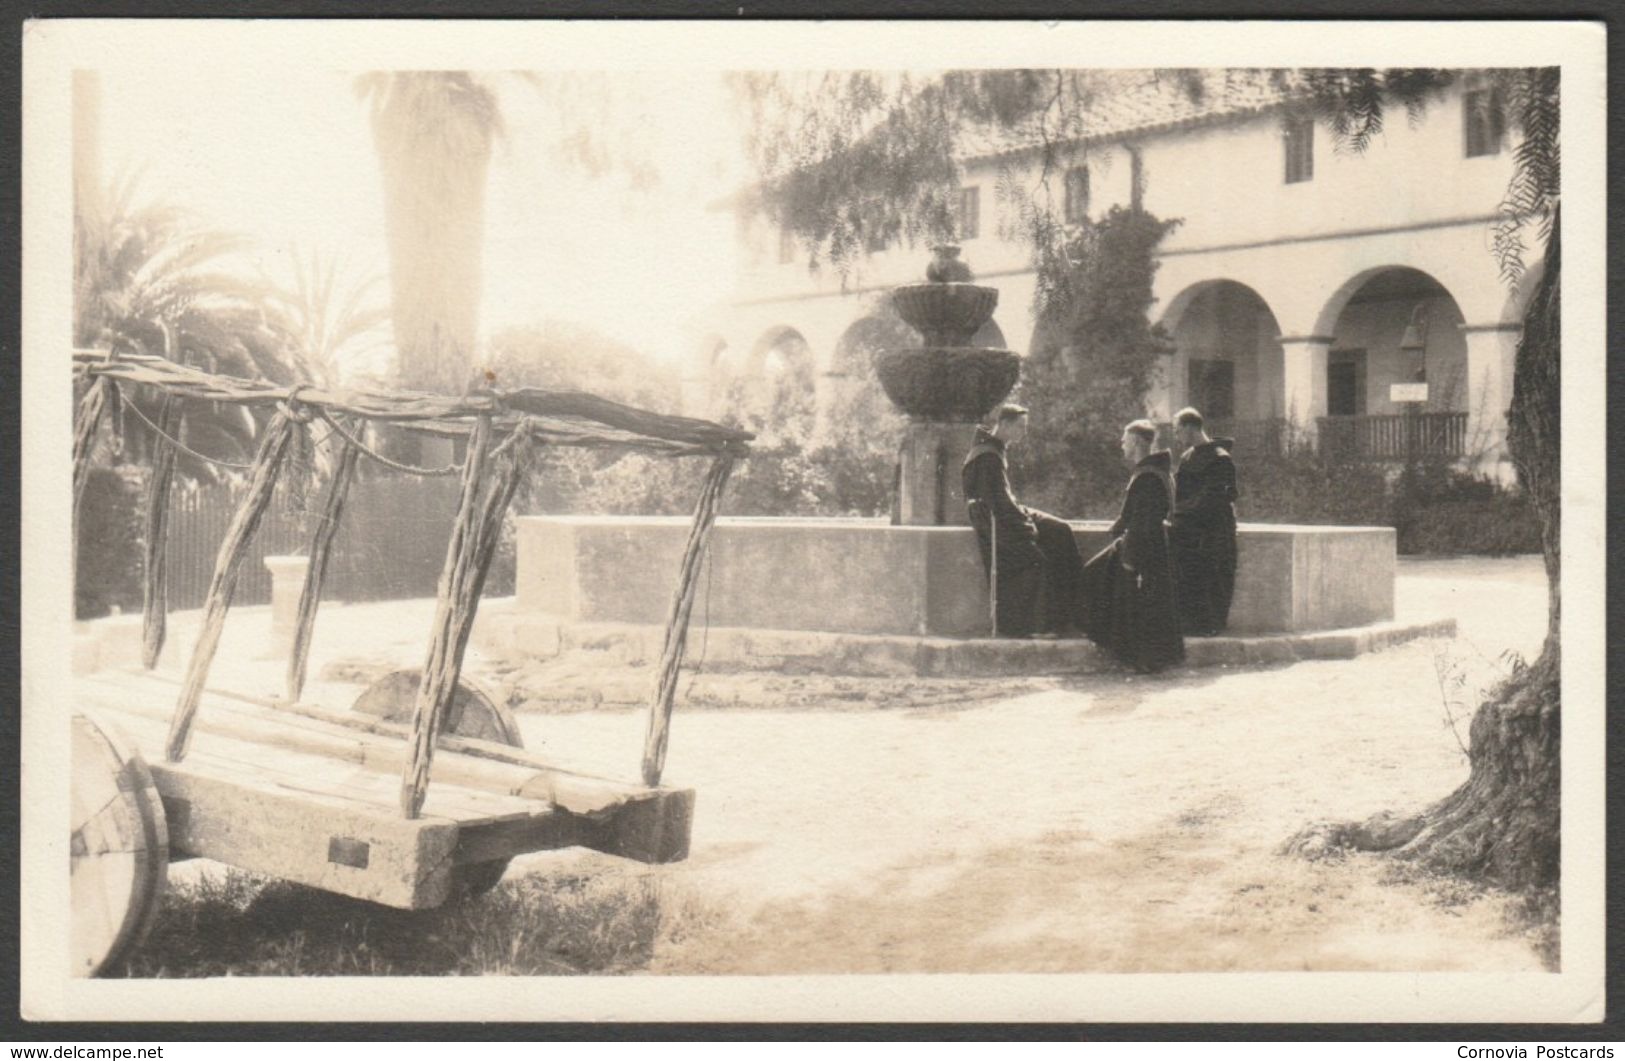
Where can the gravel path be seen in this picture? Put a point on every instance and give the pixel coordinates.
(1108, 823)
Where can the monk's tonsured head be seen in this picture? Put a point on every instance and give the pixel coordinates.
(1138, 438)
(1189, 428)
(1010, 422)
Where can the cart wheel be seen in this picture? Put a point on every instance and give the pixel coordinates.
(473, 714)
(118, 858)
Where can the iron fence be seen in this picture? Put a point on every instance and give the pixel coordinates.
(390, 546)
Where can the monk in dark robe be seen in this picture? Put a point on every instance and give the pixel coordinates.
(1129, 585)
(1039, 568)
(1202, 532)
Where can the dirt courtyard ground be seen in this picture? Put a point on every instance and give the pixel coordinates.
(1099, 824)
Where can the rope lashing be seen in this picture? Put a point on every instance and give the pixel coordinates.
(682, 604)
(177, 443)
(410, 469)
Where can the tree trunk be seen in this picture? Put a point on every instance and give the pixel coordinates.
(1502, 825)
(433, 132)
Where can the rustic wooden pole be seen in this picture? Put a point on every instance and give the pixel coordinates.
(155, 584)
(459, 592)
(87, 419)
(327, 526)
(682, 603)
(228, 562)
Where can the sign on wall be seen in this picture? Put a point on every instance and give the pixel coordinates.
(1407, 392)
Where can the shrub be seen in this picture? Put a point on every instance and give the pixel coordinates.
(1434, 507)
(110, 530)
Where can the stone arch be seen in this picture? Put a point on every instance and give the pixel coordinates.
(1192, 293)
(1365, 322)
(1360, 282)
(989, 335)
(864, 336)
(782, 344)
(1226, 358)
(777, 391)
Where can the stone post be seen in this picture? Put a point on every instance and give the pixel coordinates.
(1303, 378)
(1492, 350)
(287, 583)
(931, 491)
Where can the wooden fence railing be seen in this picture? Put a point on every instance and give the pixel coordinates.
(1394, 436)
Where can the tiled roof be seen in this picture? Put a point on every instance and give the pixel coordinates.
(1138, 101)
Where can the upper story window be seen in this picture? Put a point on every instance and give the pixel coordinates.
(1077, 195)
(787, 246)
(968, 213)
(1298, 138)
(1484, 121)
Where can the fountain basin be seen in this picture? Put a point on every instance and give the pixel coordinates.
(953, 384)
(946, 313)
(866, 577)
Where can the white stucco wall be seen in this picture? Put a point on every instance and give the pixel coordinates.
(1410, 200)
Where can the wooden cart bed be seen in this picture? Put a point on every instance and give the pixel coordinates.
(313, 796)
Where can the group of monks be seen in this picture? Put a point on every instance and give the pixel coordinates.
(1168, 573)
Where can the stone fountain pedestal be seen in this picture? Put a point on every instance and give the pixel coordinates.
(930, 490)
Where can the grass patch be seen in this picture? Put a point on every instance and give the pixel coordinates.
(563, 923)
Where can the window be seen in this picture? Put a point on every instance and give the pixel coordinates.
(1136, 179)
(1077, 195)
(1484, 119)
(1298, 135)
(968, 213)
(787, 246)
(1345, 383)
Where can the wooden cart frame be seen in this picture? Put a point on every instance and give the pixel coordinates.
(339, 800)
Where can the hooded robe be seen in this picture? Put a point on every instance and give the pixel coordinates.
(1039, 566)
(1202, 535)
(1128, 587)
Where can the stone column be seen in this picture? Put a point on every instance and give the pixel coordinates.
(1492, 350)
(930, 490)
(287, 583)
(1303, 378)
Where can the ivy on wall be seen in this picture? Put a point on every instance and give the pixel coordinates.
(1094, 359)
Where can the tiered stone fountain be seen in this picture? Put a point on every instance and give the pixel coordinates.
(944, 387)
(855, 596)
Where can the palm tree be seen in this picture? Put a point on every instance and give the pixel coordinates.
(434, 132)
(148, 279)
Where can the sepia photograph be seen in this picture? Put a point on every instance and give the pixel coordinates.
(842, 521)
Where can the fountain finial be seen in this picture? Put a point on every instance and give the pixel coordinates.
(946, 266)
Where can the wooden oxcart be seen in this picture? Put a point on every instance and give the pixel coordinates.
(339, 800)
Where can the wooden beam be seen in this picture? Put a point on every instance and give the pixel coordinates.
(228, 563)
(321, 545)
(375, 855)
(155, 582)
(682, 604)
